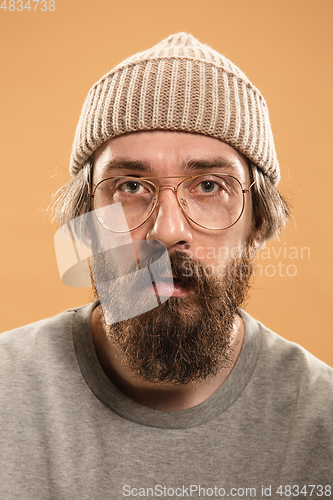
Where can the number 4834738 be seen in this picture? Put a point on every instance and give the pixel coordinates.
(315, 490)
(30, 5)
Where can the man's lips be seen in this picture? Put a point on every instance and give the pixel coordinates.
(170, 287)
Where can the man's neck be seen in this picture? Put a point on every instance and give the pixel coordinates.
(159, 396)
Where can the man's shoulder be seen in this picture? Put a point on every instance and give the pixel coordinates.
(290, 366)
(41, 336)
(294, 357)
(37, 327)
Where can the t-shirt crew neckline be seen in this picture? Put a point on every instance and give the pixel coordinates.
(125, 407)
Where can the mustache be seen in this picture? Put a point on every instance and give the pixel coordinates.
(122, 262)
(125, 260)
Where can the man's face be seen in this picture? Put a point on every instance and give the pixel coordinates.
(164, 153)
(188, 337)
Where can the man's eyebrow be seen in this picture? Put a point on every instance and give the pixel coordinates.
(212, 163)
(126, 164)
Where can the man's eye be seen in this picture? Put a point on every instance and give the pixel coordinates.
(131, 187)
(208, 186)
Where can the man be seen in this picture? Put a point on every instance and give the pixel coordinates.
(173, 163)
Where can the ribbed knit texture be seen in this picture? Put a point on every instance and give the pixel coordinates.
(179, 84)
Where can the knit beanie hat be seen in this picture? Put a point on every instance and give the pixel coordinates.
(179, 84)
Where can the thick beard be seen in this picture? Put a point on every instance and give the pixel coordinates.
(186, 339)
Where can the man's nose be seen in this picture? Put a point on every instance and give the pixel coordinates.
(169, 225)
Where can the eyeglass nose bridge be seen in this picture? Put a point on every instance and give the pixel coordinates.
(174, 189)
(168, 186)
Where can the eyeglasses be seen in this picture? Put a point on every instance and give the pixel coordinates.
(212, 201)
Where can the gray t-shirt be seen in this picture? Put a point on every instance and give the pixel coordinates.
(67, 433)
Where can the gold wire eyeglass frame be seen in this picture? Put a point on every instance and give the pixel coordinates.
(91, 195)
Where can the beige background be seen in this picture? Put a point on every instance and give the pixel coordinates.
(49, 60)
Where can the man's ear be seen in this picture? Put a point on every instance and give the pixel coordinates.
(71, 258)
(83, 231)
(87, 234)
(258, 242)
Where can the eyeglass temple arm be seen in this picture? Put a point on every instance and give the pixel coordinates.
(89, 180)
(248, 189)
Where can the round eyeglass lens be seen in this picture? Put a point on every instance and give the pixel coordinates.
(212, 201)
(138, 199)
